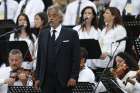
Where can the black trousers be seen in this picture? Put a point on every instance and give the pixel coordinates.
(53, 86)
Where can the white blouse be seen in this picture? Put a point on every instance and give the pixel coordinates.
(92, 34)
(27, 40)
(108, 45)
(86, 75)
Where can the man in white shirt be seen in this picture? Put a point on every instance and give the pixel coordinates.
(133, 7)
(15, 60)
(12, 6)
(31, 9)
(72, 8)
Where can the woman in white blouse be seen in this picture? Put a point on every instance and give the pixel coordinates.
(112, 32)
(24, 34)
(88, 28)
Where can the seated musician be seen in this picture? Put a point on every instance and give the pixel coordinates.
(126, 67)
(86, 74)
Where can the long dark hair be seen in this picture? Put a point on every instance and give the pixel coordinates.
(27, 29)
(43, 17)
(94, 20)
(129, 61)
(116, 13)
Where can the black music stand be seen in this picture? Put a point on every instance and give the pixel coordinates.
(6, 26)
(132, 26)
(83, 87)
(6, 46)
(69, 26)
(137, 46)
(111, 85)
(22, 89)
(92, 46)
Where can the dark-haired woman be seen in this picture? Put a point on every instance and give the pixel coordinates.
(126, 68)
(24, 34)
(88, 28)
(112, 32)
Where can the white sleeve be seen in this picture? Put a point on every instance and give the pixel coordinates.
(33, 9)
(1, 82)
(11, 38)
(120, 34)
(68, 20)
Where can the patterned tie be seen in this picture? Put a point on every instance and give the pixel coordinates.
(53, 36)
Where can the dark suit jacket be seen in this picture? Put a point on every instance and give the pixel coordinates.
(67, 55)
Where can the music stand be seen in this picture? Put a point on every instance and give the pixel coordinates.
(92, 46)
(111, 85)
(7, 46)
(132, 26)
(69, 26)
(6, 26)
(22, 89)
(83, 87)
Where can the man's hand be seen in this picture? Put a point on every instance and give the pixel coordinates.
(71, 82)
(37, 84)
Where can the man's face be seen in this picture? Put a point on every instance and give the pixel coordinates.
(15, 61)
(54, 18)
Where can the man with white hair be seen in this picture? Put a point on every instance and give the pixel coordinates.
(15, 60)
(58, 56)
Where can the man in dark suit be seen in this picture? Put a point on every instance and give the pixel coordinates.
(58, 60)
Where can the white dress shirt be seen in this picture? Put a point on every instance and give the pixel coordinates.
(121, 5)
(58, 29)
(32, 8)
(71, 11)
(12, 7)
(86, 75)
(19, 83)
(4, 74)
(136, 88)
(129, 87)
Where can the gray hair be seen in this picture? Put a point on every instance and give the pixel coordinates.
(16, 52)
(56, 8)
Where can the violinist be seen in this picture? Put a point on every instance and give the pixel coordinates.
(125, 67)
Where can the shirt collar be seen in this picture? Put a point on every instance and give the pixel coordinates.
(58, 29)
